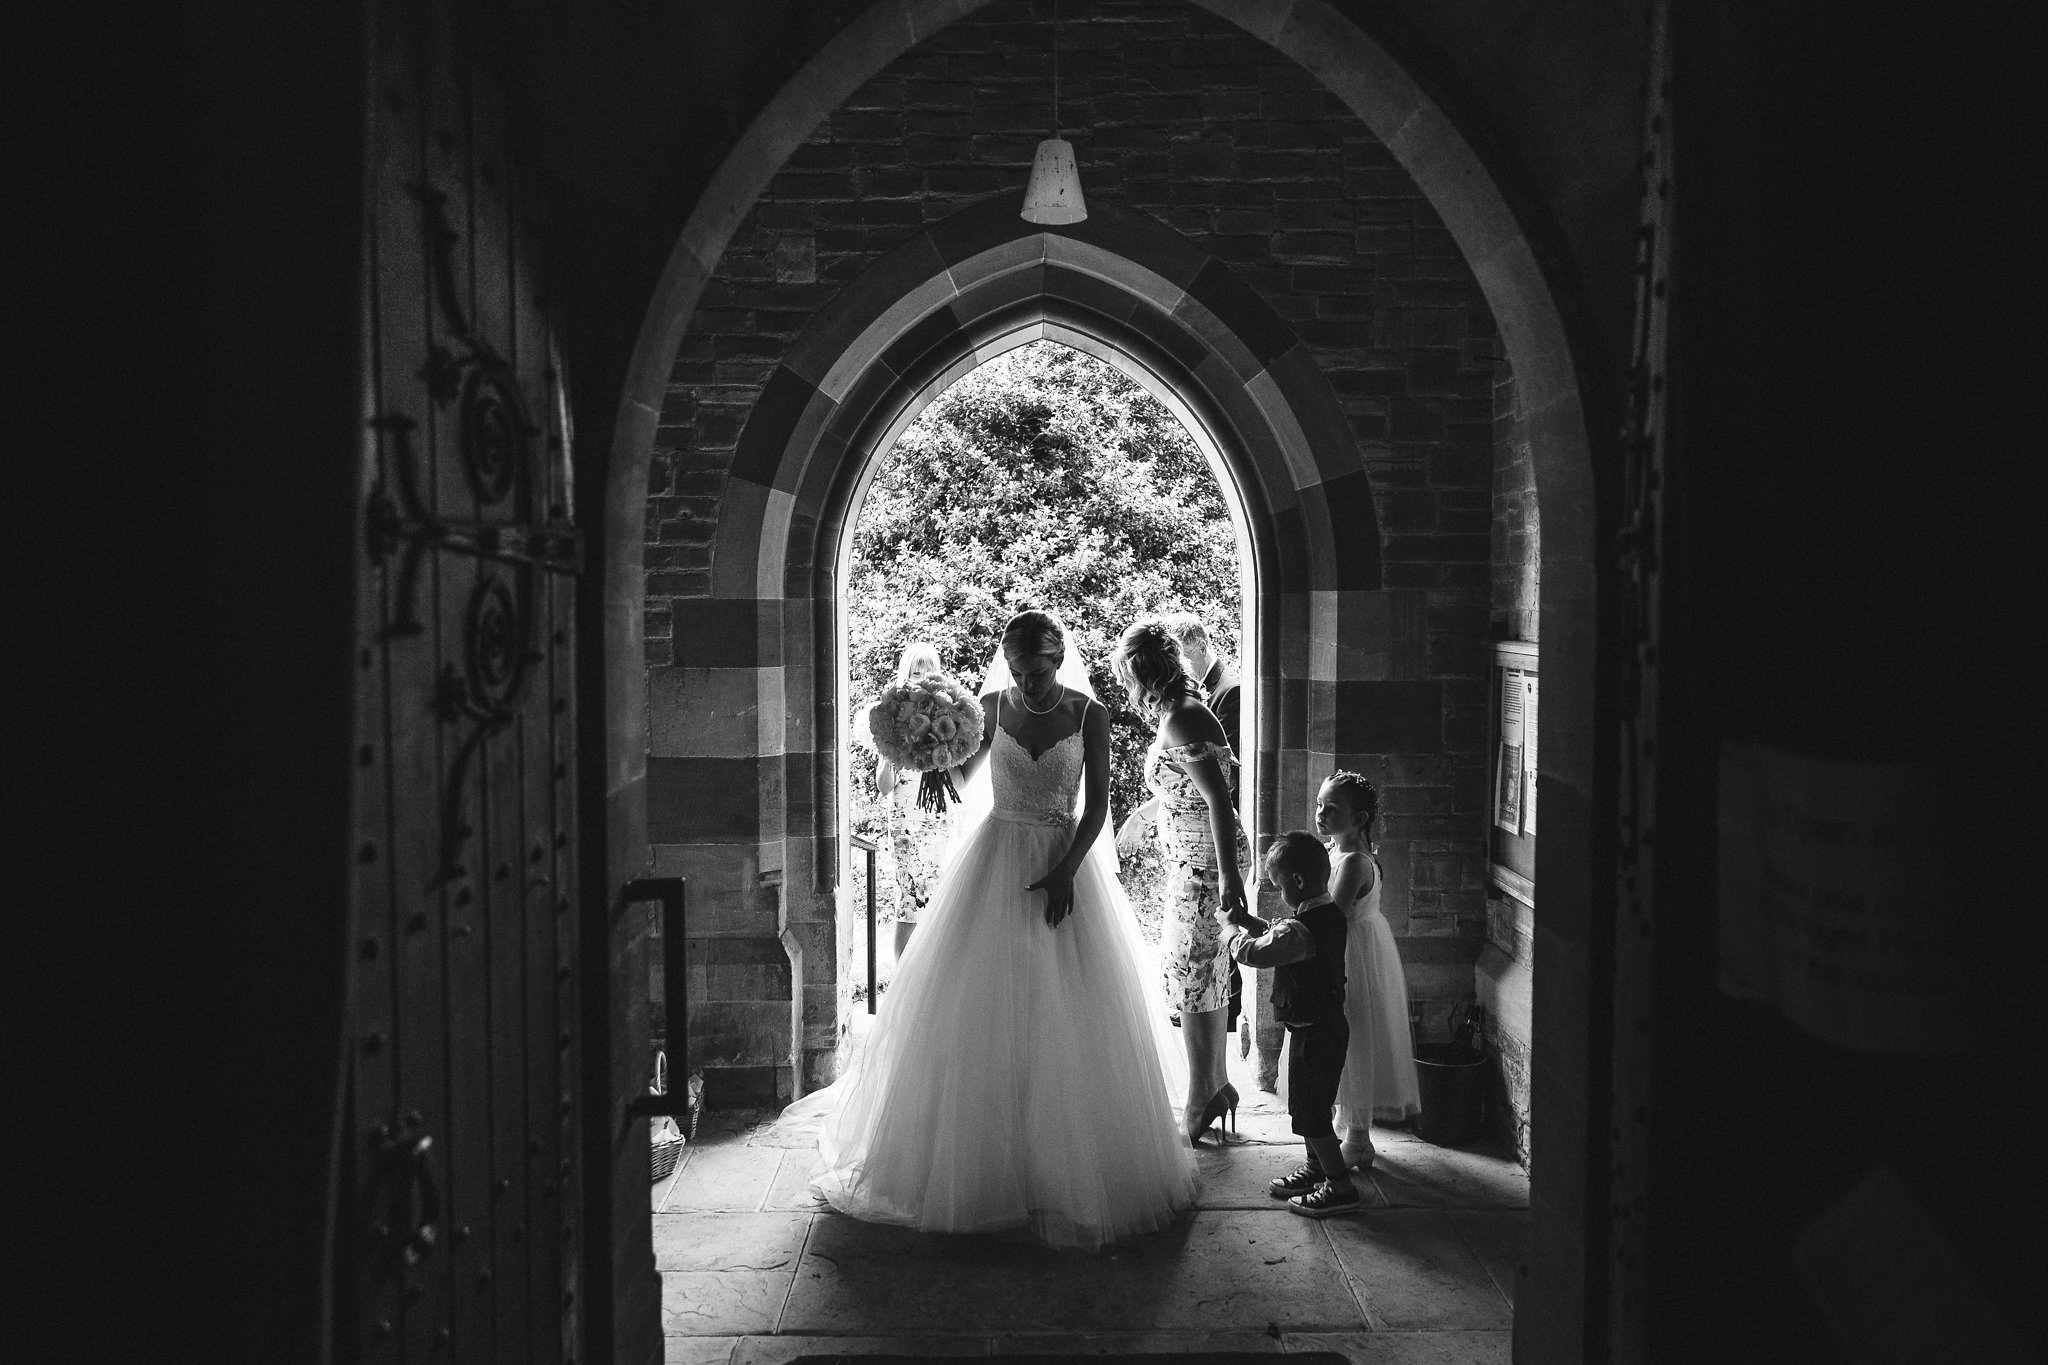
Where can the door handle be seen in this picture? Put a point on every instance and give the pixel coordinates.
(675, 985)
(408, 1157)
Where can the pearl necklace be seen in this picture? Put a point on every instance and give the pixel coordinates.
(1026, 704)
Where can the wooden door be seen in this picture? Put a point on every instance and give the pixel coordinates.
(458, 1231)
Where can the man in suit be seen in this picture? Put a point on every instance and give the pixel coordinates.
(1218, 678)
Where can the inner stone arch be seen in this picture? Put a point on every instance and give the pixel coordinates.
(1031, 323)
(953, 295)
(963, 289)
(1045, 328)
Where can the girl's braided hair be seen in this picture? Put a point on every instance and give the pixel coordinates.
(1358, 789)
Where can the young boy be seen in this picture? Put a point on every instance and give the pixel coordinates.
(1307, 952)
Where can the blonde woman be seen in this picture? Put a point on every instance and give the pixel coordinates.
(1190, 769)
(916, 835)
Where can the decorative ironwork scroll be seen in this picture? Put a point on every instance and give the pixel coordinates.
(502, 452)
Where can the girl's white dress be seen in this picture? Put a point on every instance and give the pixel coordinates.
(1012, 1076)
(1379, 1070)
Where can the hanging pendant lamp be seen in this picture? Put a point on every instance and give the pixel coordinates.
(1054, 195)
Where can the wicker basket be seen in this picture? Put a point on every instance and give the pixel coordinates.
(665, 1140)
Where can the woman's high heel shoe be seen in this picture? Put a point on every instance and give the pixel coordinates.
(1222, 1102)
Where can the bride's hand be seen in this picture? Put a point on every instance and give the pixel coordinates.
(1058, 887)
(1129, 833)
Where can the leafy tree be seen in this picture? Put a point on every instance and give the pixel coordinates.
(1044, 478)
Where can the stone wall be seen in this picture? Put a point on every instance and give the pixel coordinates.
(1183, 118)
(1517, 540)
(1504, 976)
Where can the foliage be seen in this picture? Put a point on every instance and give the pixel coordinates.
(1044, 478)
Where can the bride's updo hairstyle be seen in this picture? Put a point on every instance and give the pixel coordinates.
(1150, 665)
(1033, 632)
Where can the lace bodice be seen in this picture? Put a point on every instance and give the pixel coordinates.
(1046, 785)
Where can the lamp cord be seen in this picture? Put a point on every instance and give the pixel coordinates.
(1055, 68)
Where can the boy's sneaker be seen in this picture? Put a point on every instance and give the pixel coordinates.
(1300, 1180)
(1325, 1201)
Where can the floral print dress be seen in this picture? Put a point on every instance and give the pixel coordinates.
(918, 838)
(1192, 960)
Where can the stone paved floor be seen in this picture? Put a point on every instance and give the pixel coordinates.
(754, 1271)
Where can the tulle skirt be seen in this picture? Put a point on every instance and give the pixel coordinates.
(1012, 1077)
(1379, 1070)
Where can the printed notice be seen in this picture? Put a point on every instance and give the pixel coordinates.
(1831, 906)
(1508, 763)
(1529, 754)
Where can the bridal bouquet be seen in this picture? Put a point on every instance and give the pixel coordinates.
(927, 725)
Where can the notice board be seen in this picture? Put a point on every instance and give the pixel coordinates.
(1511, 793)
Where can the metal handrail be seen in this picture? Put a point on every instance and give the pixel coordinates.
(675, 985)
(870, 847)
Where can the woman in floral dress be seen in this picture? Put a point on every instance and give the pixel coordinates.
(1189, 768)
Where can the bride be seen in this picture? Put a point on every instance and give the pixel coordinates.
(1012, 1078)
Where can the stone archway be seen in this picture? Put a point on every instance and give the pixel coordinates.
(767, 534)
(969, 287)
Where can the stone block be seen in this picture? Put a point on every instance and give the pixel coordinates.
(730, 1034)
(852, 1280)
(705, 799)
(1466, 729)
(1399, 770)
(795, 261)
(755, 1086)
(1388, 717)
(678, 585)
(1437, 549)
(1241, 309)
(1415, 1271)
(1290, 696)
(737, 970)
(1470, 788)
(1291, 809)
(1369, 636)
(703, 712)
(817, 942)
(1461, 655)
(1089, 292)
(727, 632)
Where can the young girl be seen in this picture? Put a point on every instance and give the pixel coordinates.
(1379, 1071)
(917, 836)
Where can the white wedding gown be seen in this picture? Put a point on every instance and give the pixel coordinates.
(1012, 1078)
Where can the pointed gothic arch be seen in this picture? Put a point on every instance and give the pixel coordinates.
(966, 288)
(1120, 285)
